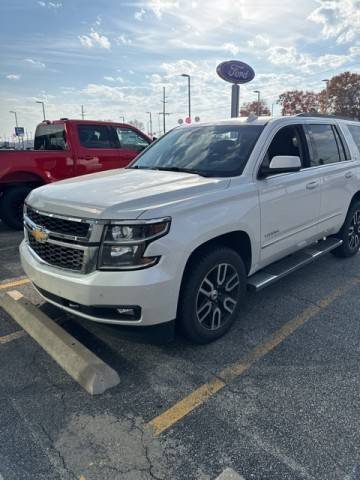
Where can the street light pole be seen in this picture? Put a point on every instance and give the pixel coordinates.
(326, 80)
(16, 118)
(189, 93)
(151, 125)
(258, 102)
(43, 107)
(123, 118)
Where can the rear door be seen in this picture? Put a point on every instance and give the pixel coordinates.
(289, 202)
(97, 148)
(330, 156)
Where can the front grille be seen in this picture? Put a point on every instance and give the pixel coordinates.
(57, 255)
(58, 225)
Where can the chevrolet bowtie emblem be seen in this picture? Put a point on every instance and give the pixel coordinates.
(40, 234)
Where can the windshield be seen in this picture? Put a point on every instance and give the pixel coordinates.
(216, 150)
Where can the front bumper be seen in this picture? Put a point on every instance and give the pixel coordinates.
(154, 290)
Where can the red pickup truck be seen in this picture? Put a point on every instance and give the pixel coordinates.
(63, 149)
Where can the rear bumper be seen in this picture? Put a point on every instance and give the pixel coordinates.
(153, 290)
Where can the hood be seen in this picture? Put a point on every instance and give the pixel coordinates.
(121, 194)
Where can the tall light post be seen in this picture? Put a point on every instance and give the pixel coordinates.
(189, 93)
(16, 124)
(151, 125)
(43, 107)
(15, 115)
(326, 80)
(258, 102)
(123, 118)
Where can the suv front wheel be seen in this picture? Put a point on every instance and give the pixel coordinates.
(212, 294)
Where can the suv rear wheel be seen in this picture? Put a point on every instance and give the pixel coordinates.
(12, 203)
(212, 294)
(350, 233)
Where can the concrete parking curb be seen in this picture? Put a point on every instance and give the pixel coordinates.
(81, 364)
(229, 474)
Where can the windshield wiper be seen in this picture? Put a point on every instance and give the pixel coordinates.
(180, 169)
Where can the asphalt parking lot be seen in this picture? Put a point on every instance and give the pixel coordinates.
(275, 399)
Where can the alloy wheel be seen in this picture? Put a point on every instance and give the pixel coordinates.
(217, 296)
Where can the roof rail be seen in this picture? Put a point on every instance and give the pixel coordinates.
(324, 115)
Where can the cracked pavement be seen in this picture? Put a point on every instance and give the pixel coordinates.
(293, 415)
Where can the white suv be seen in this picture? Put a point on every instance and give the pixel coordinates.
(200, 216)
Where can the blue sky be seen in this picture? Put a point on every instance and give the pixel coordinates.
(114, 57)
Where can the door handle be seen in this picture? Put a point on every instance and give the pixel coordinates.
(348, 174)
(312, 185)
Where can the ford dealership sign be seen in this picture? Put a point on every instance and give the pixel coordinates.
(234, 71)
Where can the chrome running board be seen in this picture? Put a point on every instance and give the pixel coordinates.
(278, 270)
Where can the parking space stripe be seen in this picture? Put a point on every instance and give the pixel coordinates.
(199, 396)
(12, 336)
(15, 283)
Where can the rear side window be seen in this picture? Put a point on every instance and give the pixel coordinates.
(325, 148)
(355, 133)
(95, 136)
(50, 137)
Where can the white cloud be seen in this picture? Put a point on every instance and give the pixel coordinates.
(109, 78)
(231, 48)
(259, 41)
(35, 63)
(339, 19)
(12, 76)
(53, 5)
(160, 6)
(139, 15)
(104, 92)
(95, 39)
(123, 40)
(289, 56)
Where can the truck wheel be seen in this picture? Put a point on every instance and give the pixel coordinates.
(12, 203)
(349, 233)
(211, 295)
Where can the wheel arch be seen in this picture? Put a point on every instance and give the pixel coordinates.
(238, 240)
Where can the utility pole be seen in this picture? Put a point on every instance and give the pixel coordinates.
(123, 118)
(82, 112)
(164, 113)
(151, 125)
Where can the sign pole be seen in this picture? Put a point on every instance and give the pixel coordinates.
(235, 96)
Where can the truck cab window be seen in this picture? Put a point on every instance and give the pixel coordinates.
(50, 137)
(287, 141)
(130, 139)
(95, 136)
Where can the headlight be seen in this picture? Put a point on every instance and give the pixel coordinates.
(124, 244)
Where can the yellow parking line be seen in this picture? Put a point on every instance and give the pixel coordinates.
(199, 396)
(12, 336)
(15, 283)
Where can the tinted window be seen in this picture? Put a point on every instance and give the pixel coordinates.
(324, 146)
(355, 133)
(95, 136)
(216, 150)
(130, 139)
(50, 137)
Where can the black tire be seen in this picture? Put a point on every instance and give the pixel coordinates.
(349, 233)
(11, 205)
(206, 309)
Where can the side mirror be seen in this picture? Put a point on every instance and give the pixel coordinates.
(154, 139)
(282, 164)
